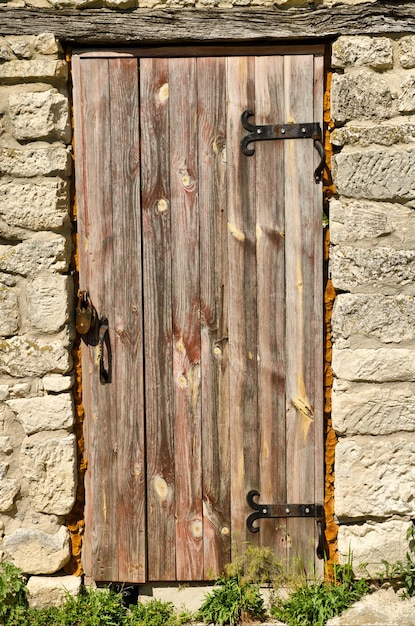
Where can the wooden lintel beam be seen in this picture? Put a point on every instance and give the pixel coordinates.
(144, 26)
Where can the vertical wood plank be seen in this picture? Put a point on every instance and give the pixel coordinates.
(211, 89)
(129, 501)
(270, 244)
(95, 260)
(186, 322)
(304, 330)
(157, 252)
(242, 300)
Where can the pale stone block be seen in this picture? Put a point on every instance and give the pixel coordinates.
(49, 464)
(362, 94)
(9, 311)
(40, 204)
(49, 302)
(28, 162)
(57, 384)
(365, 409)
(383, 607)
(376, 174)
(44, 251)
(21, 46)
(44, 413)
(380, 365)
(5, 444)
(37, 552)
(43, 592)
(375, 52)
(9, 488)
(371, 543)
(24, 356)
(46, 43)
(44, 70)
(406, 49)
(40, 115)
(375, 476)
(407, 97)
(391, 319)
(378, 269)
(359, 220)
(385, 134)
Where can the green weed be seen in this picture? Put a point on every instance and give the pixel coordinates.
(155, 612)
(404, 571)
(230, 601)
(12, 592)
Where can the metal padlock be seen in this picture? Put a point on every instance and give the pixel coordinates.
(85, 314)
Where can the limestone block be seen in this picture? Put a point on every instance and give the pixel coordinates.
(391, 319)
(383, 607)
(49, 302)
(9, 488)
(380, 365)
(376, 174)
(40, 115)
(40, 204)
(385, 134)
(21, 46)
(364, 409)
(383, 269)
(57, 384)
(362, 94)
(9, 311)
(44, 251)
(375, 52)
(49, 464)
(5, 445)
(374, 222)
(37, 552)
(43, 592)
(370, 543)
(44, 413)
(24, 356)
(375, 476)
(28, 162)
(406, 49)
(46, 43)
(44, 70)
(407, 96)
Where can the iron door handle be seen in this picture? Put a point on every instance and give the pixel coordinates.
(103, 332)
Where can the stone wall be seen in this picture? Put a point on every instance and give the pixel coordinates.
(372, 267)
(38, 470)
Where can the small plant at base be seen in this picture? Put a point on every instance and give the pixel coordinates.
(313, 604)
(94, 607)
(230, 601)
(256, 565)
(12, 591)
(155, 612)
(403, 570)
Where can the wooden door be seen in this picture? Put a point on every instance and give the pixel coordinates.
(207, 264)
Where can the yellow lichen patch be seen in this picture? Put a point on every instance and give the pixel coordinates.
(238, 234)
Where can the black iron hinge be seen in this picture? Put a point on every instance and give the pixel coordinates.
(310, 130)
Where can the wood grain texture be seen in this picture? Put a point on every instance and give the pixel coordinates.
(154, 77)
(186, 317)
(105, 26)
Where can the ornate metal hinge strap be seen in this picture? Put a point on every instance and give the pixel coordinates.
(284, 131)
(286, 510)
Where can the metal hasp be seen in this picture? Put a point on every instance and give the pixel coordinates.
(286, 510)
(284, 131)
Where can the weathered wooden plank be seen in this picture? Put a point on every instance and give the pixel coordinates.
(106, 26)
(303, 328)
(270, 244)
(95, 251)
(186, 322)
(156, 203)
(242, 299)
(129, 502)
(211, 87)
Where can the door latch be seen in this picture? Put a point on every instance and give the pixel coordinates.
(85, 314)
(284, 131)
(286, 510)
